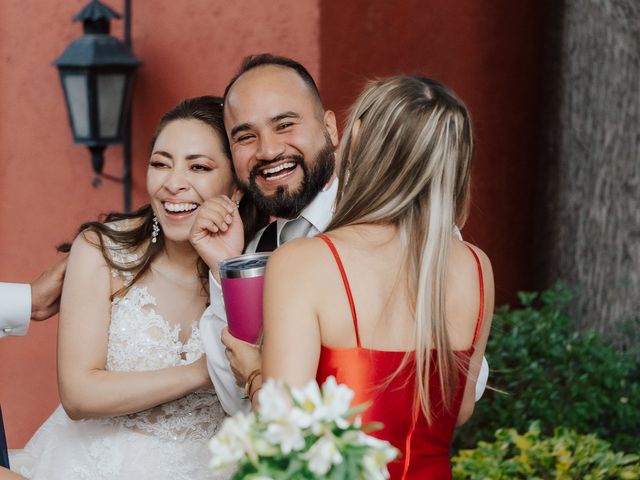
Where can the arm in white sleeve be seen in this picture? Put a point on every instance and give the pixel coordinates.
(15, 308)
(483, 376)
(212, 322)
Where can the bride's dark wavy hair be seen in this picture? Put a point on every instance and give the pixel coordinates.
(206, 109)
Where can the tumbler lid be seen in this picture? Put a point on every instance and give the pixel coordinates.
(244, 266)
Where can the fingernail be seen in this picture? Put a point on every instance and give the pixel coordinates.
(228, 218)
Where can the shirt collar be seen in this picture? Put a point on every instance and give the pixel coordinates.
(320, 211)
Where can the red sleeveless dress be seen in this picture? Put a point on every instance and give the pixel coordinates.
(424, 448)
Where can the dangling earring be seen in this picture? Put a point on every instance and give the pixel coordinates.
(156, 230)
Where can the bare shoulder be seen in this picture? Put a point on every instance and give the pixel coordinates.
(93, 244)
(464, 289)
(299, 255)
(486, 270)
(86, 241)
(115, 239)
(86, 249)
(463, 260)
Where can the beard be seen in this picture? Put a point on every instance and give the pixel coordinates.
(288, 204)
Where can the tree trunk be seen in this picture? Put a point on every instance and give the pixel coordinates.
(590, 225)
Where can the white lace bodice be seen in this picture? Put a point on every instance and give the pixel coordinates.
(140, 339)
(167, 442)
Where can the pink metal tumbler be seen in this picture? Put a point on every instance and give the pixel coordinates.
(242, 281)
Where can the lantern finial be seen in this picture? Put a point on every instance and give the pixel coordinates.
(96, 17)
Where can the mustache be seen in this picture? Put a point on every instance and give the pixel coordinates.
(298, 159)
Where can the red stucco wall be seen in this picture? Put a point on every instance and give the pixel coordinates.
(188, 48)
(488, 52)
(485, 50)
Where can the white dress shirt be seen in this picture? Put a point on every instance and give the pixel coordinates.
(15, 308)
(318, 213)
(233, 398)
(214, 319)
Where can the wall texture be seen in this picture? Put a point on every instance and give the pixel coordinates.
(191, 48)
(486, 51)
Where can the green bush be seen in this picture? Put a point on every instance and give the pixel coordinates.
(546, 371)
(626, 337)
(565, 456)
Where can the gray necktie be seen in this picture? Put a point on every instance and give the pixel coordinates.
(298, 228)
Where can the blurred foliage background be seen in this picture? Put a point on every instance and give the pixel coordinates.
(545, 376)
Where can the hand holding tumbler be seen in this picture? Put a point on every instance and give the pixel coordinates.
(242, 280)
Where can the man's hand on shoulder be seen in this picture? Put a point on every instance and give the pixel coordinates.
(45, 291)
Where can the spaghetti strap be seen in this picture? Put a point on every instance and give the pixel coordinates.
(481, 283)
(347, 288)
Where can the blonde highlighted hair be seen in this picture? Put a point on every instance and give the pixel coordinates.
(405, 160)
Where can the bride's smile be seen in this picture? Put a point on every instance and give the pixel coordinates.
(187, 166)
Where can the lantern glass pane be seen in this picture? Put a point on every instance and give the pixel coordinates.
(76, 88)
(111, 90)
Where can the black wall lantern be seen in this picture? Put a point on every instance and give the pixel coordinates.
(96, 72)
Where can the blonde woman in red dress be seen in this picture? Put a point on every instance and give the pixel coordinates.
(389, 300)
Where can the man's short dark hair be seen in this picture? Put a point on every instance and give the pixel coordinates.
(263, 59)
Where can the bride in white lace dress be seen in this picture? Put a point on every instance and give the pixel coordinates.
(137, 401)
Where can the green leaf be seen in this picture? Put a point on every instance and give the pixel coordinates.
(565, 455)
(555, 374)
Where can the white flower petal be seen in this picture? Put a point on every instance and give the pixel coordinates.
(323, 455)
(275, 403)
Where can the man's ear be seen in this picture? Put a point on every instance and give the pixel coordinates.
(331, 126)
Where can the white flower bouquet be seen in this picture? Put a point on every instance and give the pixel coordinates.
(301, 434)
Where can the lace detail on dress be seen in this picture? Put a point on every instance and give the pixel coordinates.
(120, 255)
(64, 449)
(194, 417)
(140, 339)
(108, 456)
(167, 442)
